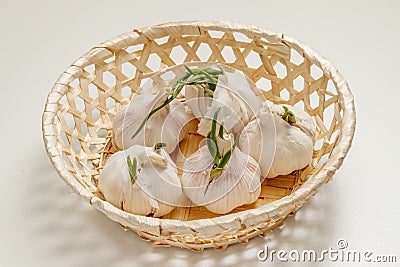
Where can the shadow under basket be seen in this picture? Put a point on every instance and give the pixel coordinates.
(77, 128)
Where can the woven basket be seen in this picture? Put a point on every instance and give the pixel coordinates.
(78, 135)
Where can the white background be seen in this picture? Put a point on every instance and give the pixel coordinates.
(43, 224)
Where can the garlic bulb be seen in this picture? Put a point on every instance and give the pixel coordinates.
(200, 87)
(237, 185)
(141, 180)
(127, 121)
(238, 100)
(220, 176)
(303, 120)
(281, 139)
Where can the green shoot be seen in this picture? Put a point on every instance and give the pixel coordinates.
(132, 166)
(190, 77)
(288, 116)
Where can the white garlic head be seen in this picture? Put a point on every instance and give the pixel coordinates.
(168, 125)
(150, 187)
(303, 120)
(238, 100)
(219, 176)
(237, 185)
(279, 146)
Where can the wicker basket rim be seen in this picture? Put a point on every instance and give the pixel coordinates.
(277, 209)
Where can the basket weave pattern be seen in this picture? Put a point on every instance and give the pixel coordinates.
(79, 109)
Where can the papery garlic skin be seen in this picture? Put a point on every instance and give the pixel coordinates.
(237, 185)
(239, 101)
(279, 147)
(168, 125)
(303, 120)
(157, 189)
(197, 100)
(258, 139)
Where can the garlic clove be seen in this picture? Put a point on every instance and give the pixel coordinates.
(197, 100)
(175, 126)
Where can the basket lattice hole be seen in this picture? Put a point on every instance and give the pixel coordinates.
(90, 165)
(79, 165)
(95, 114)
(134, 48)
(216, 34)
(162, 40)
(253, 60)
(178, 54)
(109, 60)
(280, 70)
(74, 83)
(153, 62)
(331, 89)
(228, 54)
(318, 144)
(93, 91)
(264, 84)
(315, 72)
(102, 133)
(69, 119)
(93, 149)
(204, 52)
(126, 91)
(314, 100)
(128, 70)
(76, 146)
(109, 79)
(329, 98)
(66, 158)
(295, 57)
(83, 128)
(191, 45)
(79, 104)
(322, 160)
(241, 37)
(285, 95)
(334, 136)
(64, 139)
(63, 100)
(110, 103)
(298, 83)
(89, 69)
(329, 114)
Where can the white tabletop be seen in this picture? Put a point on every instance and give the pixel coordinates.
(44, 224)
